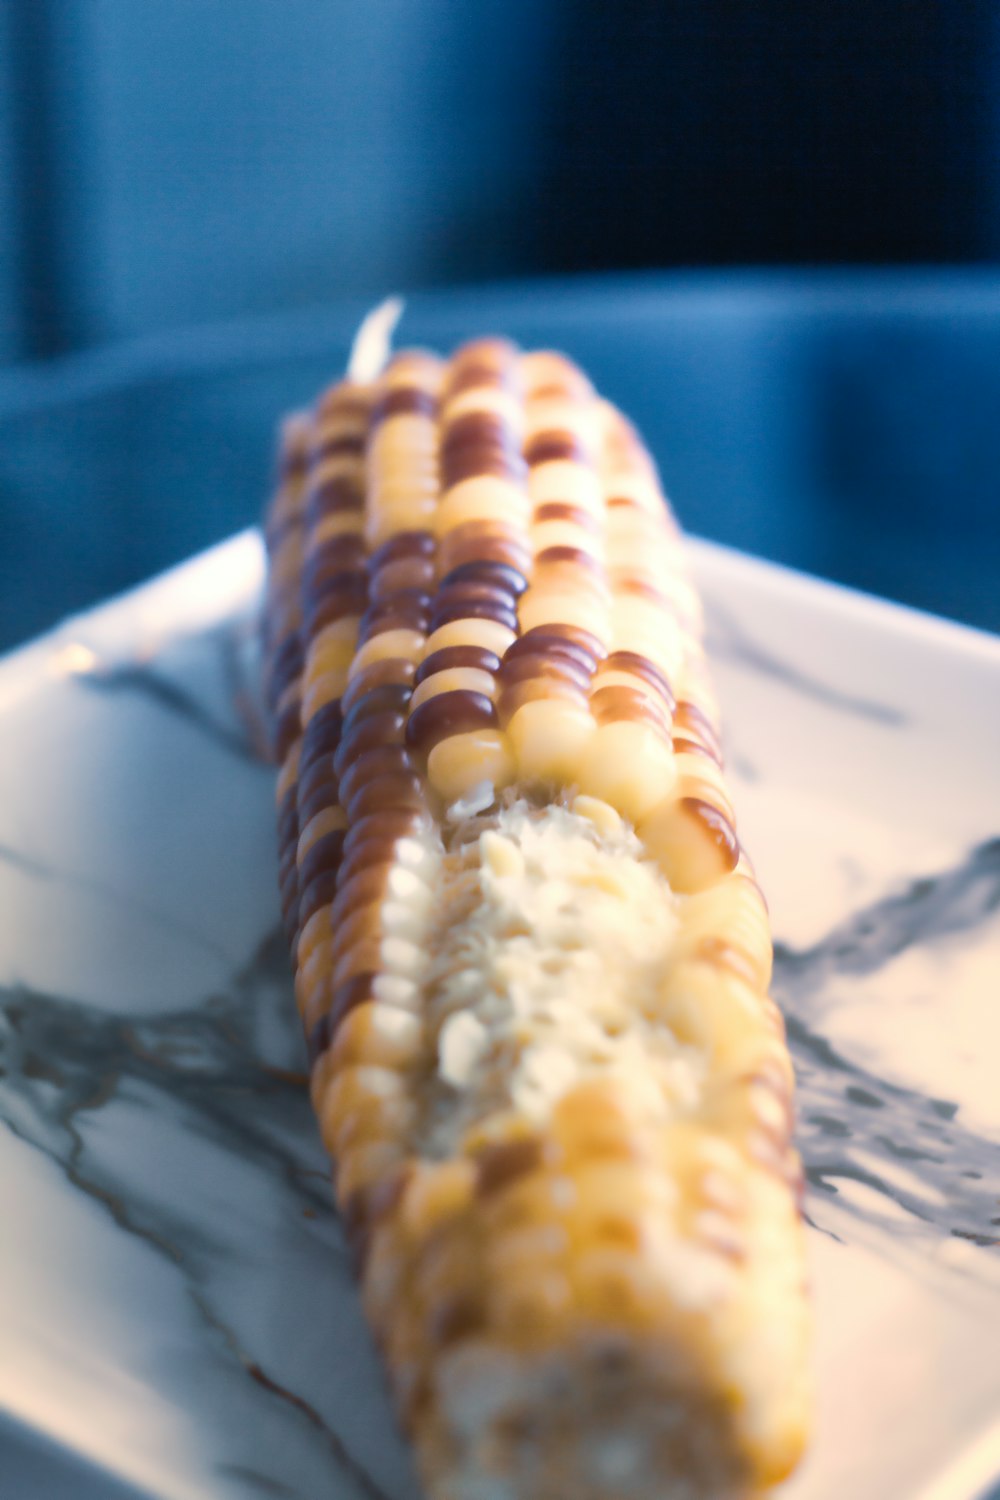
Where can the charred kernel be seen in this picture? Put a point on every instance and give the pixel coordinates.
(447, 714)
(324, 856)
(394, 789)
(377, 762)
(391, 698)
(319, 892)
(401, 576)
(404, 545)
(398, 824)
(610, 705)
(446, 611)
(392, 671)
(400, 401)
(498, 1166)
(450, 657)
(386, 728)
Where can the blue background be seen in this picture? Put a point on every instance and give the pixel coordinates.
(198, 198)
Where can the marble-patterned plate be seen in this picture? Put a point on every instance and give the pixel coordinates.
(176, 1313)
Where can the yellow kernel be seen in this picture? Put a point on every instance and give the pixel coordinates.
(471, 679)
(289, 773)
(378, 1035)
(485, 497)
(321, 691)
(549, 736)
(405, 644)
(540, 605)
(601, 814)
(489, 634)
(340, 523)
(464, 761)
(500, 855)
(629, 765)
(564, 480)
(329, 820)
(686, 849)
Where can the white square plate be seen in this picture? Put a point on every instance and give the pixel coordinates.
(177, 1318)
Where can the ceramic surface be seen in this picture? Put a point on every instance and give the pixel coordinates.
(177, 1317)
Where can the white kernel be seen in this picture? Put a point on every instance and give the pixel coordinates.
(461, 1045)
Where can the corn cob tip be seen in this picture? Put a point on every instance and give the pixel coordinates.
(373, 341)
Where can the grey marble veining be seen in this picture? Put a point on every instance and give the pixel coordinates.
(177, 1303)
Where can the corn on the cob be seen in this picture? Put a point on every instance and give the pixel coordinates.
(531, 957)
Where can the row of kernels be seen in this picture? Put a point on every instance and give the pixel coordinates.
(481, 529)
(283, 652)
(727, 924)
(334, 588)
(545, 677)
(402, 449)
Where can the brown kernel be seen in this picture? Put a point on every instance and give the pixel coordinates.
(392, 697)
(395, 789)
(448, 610)
(325, 855)
(404, 545)
(403, 400)
(641, 666)
(487, 572)
(393, 825)
(400, 577)
(544, 447)
(610, 705)
(391, 671)
(447, 714)
(320, 891)
(499, 1165)
(384, 759)
(457, 656)
(386, 728)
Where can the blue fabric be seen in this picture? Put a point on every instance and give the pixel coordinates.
(843, 424)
